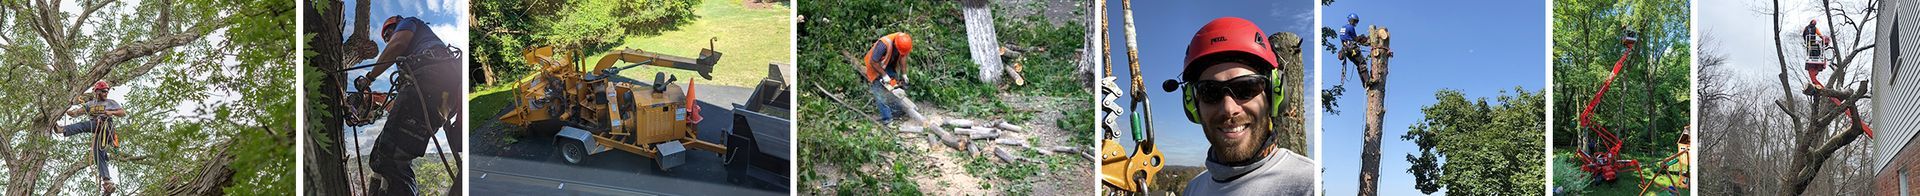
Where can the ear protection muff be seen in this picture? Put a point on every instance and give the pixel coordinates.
(1187, 101)
(1277, 93)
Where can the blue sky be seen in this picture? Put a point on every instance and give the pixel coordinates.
(443, 16)
(1477, 47)
(1165, 27)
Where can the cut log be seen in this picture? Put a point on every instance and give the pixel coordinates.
(1010, 127)
(1015, 72)
(984, 136)
(1063, 149)
(1009, 157)
(912, 110)
(960, 123)
(971, 131)
(1011, 141)
(949, 140)
(1043, 152)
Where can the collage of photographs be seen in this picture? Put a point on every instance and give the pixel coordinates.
(959, 97)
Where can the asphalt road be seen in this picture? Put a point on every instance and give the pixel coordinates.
(532, 166)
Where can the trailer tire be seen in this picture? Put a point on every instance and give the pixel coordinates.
(573, 152)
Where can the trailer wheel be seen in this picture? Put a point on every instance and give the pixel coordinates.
(573, 151)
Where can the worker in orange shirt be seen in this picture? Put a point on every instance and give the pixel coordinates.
(884, 67)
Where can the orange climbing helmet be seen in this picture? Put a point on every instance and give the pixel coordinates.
(386, 29)
(902, 42)
(1228, 37)
(886, 50)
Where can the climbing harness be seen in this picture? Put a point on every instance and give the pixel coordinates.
(365, 108)
(104, 141)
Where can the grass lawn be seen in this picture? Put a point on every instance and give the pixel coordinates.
(748, 39)
(1628, 184)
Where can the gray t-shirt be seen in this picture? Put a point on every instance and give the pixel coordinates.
(100, 105)
(1282, 172)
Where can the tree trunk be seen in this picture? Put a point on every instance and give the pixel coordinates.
(326, 174)
(1376, 109)
(209, 178)
(982, 40)
(1813, 144)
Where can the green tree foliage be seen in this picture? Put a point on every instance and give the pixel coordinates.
(1487, 149)
(1648, 97)
(205, 83)
(502, 28)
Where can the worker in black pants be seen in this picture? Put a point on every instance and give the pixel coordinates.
(428, 90)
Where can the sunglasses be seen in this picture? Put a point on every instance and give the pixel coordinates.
(1241, 88)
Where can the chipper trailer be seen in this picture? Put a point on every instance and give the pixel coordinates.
(596, 110)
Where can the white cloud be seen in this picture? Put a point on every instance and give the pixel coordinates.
(1295, 17)
(450, 34)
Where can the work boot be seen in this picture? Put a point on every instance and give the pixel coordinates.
(108, 186)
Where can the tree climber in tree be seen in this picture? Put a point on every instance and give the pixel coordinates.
(1350, 42)
(428, 98)
(100, 112)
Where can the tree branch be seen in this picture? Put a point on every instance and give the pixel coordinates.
(86, 12)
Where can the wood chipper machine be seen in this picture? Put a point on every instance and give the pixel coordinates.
(593, 110)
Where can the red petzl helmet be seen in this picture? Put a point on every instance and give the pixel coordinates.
(100, 85)
(1228, 37)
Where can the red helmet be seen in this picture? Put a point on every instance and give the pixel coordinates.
(386, 29)
(902, 42)
(1228, 37)
(100, 85)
